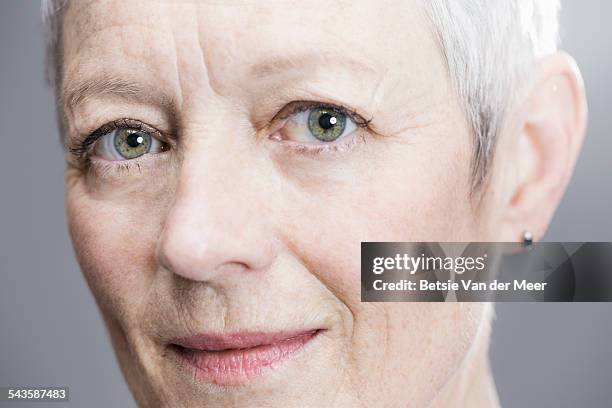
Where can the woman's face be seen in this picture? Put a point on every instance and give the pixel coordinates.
(227, 159)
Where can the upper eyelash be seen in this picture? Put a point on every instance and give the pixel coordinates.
(301, 106)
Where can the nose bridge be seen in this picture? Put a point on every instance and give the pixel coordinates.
(215, 220)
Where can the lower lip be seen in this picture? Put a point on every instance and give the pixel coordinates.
(234, 366)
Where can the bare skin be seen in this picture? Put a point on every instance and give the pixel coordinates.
(240, 220)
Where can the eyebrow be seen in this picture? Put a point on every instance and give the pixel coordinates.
(279, 65)
(78, 91)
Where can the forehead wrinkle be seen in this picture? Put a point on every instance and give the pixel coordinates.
(86, 76)
(85, 20)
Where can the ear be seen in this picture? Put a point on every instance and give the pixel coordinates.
(552, 125)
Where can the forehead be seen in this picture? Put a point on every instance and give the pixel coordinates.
(375, 32)
(357, 19)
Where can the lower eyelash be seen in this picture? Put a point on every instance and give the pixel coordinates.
(344, 146)
(108, 170)
(102, 169)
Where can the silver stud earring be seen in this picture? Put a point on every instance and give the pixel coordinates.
(527, 239)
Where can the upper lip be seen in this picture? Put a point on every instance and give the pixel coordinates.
(237, 340)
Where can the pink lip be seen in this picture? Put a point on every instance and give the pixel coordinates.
(230, 359)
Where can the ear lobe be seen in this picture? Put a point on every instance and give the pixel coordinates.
(547, 146)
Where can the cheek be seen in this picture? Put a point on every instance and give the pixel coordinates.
(408, 196)
(115, 242)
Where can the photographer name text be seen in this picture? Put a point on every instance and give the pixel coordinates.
(468, 285)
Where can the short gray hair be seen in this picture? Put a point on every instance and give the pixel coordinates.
(490, 46)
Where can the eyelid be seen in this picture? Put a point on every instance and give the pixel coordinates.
(83, 148)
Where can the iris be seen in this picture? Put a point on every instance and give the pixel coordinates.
(326, 124)
(131, 143)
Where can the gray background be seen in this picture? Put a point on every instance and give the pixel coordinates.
(546, 355)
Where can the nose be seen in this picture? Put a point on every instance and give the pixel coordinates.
(215, 224)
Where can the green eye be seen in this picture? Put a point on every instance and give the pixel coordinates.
(126, 142)
(132, 143)
(326, 124)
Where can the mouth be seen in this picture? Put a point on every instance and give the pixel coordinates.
(231, 359)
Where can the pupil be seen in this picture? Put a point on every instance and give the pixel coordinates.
(134, 140)
(327, 121)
